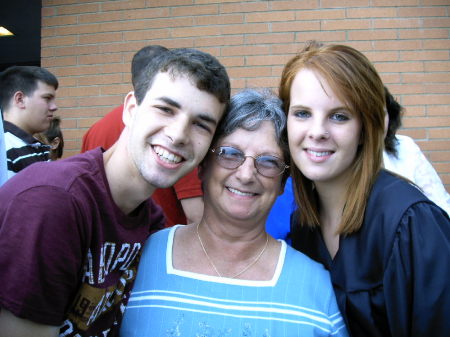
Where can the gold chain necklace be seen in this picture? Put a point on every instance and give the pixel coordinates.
(243, 270)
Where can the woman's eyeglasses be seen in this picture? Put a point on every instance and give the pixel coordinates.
(231, 158)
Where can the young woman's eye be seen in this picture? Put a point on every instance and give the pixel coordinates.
(339, 117)
(302, 113)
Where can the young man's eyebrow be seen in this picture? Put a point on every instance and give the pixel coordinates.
(204, 117)
(169, 101)
(208, 119)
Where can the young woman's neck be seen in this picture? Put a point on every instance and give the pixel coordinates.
(332, 202)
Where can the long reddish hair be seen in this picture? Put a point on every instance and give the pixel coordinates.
(357, 84)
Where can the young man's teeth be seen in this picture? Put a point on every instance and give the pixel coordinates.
(319, 154)
(239, 192)
(166, 155)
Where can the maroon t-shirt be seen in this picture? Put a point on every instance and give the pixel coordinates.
(68, 254)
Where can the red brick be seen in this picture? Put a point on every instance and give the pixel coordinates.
(245, 50)
(228, 40)
(92, 90)
(424, 55)
(295, 26)
(435, 2)
(437, 44)
(194, 10)
(232, 61)
(244, 72)
(77, 9)
(169, 3)
(425, 77)
(433, 33)
(344, 3)
(421, 11)
(122, 5)
(226, 19)
(59, 61)
(291, 5)
(413, 133)
(323, 36)
(146, 35)
(414, 111)
(436, 22)
(100, 79)
(59, 20)
(422, 122)
(116, 89)
(87, 122)
(262, 82)
(100, 38)
(58, 41)
(323, 14)
(249, 28)
(434, 145)
(46, 11)
(347, 24)
(244, 7)
(270, 16)
(396, 23)
(398, 45)
(371, 13)
(378, 34)
(439, 110)
(436, 156)
(439, 134)
(266, 60)
(399, 66)
(382, 56)
(390, 78)
(398, 3)
(196, 31)
(62, 2)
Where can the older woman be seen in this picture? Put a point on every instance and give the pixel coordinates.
(386, 245)
(225, 276)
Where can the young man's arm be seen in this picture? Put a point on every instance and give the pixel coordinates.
(13, 326)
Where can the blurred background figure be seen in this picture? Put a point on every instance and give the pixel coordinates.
(402, 156)
(3, 167)
(27, 100)
(54, 138)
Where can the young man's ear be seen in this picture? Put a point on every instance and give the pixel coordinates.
(19, 99)
(129, 108)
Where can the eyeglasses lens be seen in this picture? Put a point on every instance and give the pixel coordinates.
(231, 158)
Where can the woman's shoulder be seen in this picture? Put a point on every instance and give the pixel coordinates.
(394, 191)
(304, 263)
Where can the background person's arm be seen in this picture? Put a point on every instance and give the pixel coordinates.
(193, 209)
(13, 326)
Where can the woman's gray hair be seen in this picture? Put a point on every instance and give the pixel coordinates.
(248, 109)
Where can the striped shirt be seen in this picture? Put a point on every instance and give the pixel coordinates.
(22, 149)
(298, 300)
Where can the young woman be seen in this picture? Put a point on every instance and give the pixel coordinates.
(385, 244)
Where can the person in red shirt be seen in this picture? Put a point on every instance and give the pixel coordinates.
(182, 203)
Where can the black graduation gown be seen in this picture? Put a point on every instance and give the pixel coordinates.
(392, 277)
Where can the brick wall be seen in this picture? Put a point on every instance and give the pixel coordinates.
(89, 44)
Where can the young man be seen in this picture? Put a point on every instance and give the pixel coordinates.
(71, 231)
(28, 104)
(181, 203)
